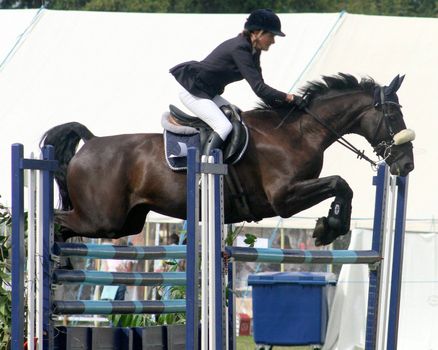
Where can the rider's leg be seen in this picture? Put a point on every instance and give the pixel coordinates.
(209, 112)
(220, 101)
(227, 107)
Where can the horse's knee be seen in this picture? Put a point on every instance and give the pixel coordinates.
(341, 187)
(282, 207)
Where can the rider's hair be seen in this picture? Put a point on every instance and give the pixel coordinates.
(247, 33)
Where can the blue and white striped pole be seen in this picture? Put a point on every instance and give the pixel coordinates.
(218, 211)
(192, 262)
(47, 166)
(397, 262)
(18, 254)
(381, 182)
(48, 233)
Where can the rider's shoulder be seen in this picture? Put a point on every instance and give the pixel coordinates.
(235, 45)
(238, 42)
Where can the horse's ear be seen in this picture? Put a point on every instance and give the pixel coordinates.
(400, 81)
(395, 84)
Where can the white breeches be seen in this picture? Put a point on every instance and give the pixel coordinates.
(208, 110)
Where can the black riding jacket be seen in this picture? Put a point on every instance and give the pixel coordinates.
(231, 61)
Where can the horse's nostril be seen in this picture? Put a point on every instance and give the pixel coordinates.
(409, 167)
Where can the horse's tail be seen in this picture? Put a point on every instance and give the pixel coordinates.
(65, 139)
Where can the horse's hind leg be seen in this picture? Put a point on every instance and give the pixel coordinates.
(112, 226)
(72, 225)
(305, 194)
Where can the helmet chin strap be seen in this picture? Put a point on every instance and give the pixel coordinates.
(255, 37)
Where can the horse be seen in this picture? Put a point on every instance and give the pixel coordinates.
(108, 186)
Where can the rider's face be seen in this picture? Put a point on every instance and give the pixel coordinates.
(263, 40)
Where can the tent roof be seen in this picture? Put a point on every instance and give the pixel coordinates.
(109, 71)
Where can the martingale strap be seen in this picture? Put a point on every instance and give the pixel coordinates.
(344, 142)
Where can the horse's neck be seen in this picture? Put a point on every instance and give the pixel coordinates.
(340, 116)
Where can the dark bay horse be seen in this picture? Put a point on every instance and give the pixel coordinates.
(112, 182)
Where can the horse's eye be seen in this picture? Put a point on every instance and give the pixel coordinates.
(394, 116)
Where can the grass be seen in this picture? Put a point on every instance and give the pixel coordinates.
(247, 343)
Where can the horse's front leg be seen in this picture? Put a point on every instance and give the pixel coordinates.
(305, 194)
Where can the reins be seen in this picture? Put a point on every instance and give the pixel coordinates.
(383, 149)
(339, 138)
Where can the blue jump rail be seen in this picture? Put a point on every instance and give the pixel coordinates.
(108, 251)
(117, 278)
(296, 256)
(92, 307)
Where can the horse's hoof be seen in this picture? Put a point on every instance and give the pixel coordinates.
(320, 227)
(323, 233)
(320, 230)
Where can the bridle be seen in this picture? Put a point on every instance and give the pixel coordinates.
(382, 149)
(340, 139)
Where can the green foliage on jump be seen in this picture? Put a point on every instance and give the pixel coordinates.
(5, 279)
(422, 8)
(232, 234)
(169, 293)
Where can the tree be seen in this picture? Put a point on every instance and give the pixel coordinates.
(67, 4)
(20, 4)
(424, 8)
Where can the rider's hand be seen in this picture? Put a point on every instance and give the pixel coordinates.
(290, 98)
(296, 100)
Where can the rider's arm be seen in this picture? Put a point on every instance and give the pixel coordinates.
(251, 72)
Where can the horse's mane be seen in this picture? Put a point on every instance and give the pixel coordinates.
(339, 82)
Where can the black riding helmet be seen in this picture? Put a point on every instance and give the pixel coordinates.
(264, 19)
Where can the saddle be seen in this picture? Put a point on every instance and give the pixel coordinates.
(181, 123)
(182, 131)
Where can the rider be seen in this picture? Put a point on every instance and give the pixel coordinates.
(238, 58)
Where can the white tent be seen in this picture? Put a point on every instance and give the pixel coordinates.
(383, 47)
(418, 324)
(110, 72)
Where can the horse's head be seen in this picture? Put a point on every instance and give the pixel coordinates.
(385, 129)
(341, 104)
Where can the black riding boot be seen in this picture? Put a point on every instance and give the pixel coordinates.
(214, 141)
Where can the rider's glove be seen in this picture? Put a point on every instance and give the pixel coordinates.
(299, 102)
